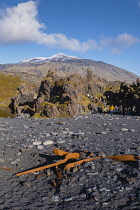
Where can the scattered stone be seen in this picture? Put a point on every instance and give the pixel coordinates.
(14, 162)
(55, 198)
(27, 184)
(89, 190)
(45, 198)
(40, 147)
(75, 169)
(138, 148)
(102, 189)
(47, 134)
(18, 159)
(104, 133)
(54, 134)
(30, 147)
(37, 143)
(133, 130)
(47, 142)
(124, 129)
(61, 141)
(68, 199)
(119, 169)
(105, 204)
(93, 167)
(83, 195)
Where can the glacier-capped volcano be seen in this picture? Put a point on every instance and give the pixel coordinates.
(57, 57)
(37, 68)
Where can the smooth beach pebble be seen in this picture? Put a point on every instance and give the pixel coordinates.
(47, 142)
(124, 129)
(40, 147)
(14, 162)
(55, 198)
(37, 143)
(61, 141)
(133, 130)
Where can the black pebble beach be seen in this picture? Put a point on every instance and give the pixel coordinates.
(98, 184)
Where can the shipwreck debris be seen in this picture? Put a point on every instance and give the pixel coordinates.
(72, 160)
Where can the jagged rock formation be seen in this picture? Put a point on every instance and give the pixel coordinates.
(60, 96)
(23, 100)
(67, 96)
(127, 95)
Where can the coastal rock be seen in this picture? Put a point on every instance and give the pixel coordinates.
(59, 96)
(23, 100)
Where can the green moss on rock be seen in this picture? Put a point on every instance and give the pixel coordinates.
(8, 88)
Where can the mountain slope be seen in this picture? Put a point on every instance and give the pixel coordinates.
(36, 68)
(4, 66)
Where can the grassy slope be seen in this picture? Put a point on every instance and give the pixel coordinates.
(8, 87)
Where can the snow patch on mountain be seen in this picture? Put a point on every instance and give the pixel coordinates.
(36, 59)
(57, 57)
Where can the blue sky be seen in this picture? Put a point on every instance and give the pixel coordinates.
(101, 30)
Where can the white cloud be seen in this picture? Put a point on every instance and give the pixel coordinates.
(20, 24)
(126, 40)
(120, 42)
(60, 40)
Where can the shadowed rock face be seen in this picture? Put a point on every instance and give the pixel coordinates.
(74, 94)
(66, 96)
(23, 100)
(59, 96)
(128, 95)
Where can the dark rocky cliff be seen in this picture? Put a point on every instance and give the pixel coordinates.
(127, 95)
(70, 95)
(59, 96)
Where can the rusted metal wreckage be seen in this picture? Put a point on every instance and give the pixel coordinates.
(71, 160)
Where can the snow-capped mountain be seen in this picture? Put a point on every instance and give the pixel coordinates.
(57, 57)
(36, 68)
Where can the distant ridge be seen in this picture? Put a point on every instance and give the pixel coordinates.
(34, 69)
